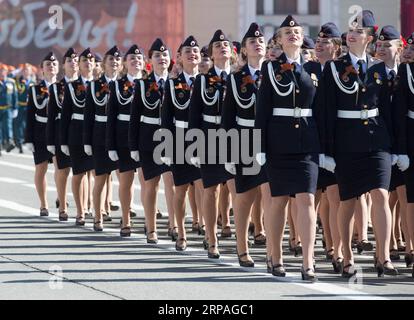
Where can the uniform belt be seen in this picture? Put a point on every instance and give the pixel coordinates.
(100, 118)
(123, 117)
(245, 122)
(41, 119)
(4, 107)
(150, 120)
(363, 114)
(212, 119)
(22, 104)
(289, 112)
(410, 114)
(181, 124)
(77, 116)
(59, 116)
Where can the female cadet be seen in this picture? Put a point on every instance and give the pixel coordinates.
(94, 128)
(145, 121)
(205, 113)
(175, 118)
(71, 127)
(239, 113)
(118, 113)
(404, 131)
(35, 133)
(288, 116)
(328, 47)
(359, 137)
(61, 161)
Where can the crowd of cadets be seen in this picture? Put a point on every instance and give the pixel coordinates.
(336, 139)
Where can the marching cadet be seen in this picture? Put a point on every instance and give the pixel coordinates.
(8, 108)
(145, 121)
(291, 122)
(359, 137)
(98, 69)
(205, 113)
(175, 110)
(273, 50)
(23, 82)
(206, 62)
(54, 114)
(116, 141)
(94, 129)
(328, 48)
(404, 133)
(239, 113)
(71, 127)
(35, 134)
(308, 49)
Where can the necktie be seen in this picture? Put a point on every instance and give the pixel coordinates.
(257, 77)
(392, 75)
(161, 86)
(298, 68)
(362, 69)
(223, 75)
(192, 80)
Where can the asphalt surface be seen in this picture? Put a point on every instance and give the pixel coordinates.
(42, 258)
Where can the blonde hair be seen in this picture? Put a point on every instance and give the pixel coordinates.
(278, 35)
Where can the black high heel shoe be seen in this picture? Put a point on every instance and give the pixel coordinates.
(213, 255)
(384, 269)
(173, 233)
(245, 263)
(364, 245)
(205, 244)
(394, 255)
(338, 265)
(329, 255)
(97, 226)
(278, 270)
(308, 274)
(348, 273)
(409, 259)
(269, 266)
(202, 230)
(181, 244)
(154, 240)
(80, 221)
(298, 249)
(125, 232)
(63, 216)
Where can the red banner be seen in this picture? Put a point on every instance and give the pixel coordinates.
(31, 28)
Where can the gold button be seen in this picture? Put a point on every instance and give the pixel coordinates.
(365, 106)
(363, 89)
(298, 91)
(296, 126)
(366, 123)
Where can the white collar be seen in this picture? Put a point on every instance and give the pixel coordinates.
(48, 84)
(292, 61)
(131, 78)
(157, 78)
(84, 79)
(355, 59)
(67, 79)
(388, 70)
(219, 71)
(188, 76)
(108, 80)
(252, 70)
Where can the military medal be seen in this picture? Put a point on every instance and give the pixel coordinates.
(243, 89)
(278, 77)
(210, 90)
(148, 94)
(181, 95)
(345, 78)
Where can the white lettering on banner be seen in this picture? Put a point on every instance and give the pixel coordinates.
(20, 33)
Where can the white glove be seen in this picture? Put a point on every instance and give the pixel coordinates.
(65, 149)
(394, 159)
(167, 161)
(88, 149)
(113, 155)
(403, 162)
(135, 156)
(230, 168)
(195, 161)
(322, 160)
(330, 164)
(15, 112)
(261, 158)
(51, 149)
(30, 147)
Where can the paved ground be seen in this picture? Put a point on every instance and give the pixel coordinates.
(41, 258)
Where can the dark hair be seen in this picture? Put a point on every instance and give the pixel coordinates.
(210, 48)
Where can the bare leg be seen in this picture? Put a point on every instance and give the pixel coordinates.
(210, 212)
(126, 180)
(78, 194)
(193, 204)
(224, 206)
(393, 199)
(402, 198)
(334, 201)
(179, 209)
(150, 206)
(277, 221)
(257, 214)
(345, 226)
(324, 214)
(98, 188)
(361, 218)
(61, 181)
(267, 213)
(41, 183)
(169, 197)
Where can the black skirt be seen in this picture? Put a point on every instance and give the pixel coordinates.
(101, 161)
(245, 182)
(325, 179)
(41, 154)
(359, 173)
(397, 178)
(184, 174)
(214, 174)
(409, 180)
(291, 174)
(62, 160)
(149, 168)
(81, 162)
(125, 162)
